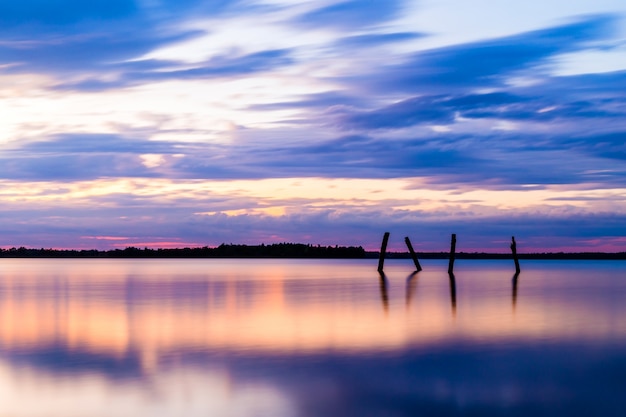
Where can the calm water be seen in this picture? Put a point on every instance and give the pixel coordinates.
(311, 338)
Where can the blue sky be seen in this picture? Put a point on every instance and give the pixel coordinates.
(191, 123)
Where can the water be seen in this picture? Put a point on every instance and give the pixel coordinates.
(311, 338)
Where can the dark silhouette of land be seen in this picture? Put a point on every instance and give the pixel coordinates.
(285, 250)
(277, 250)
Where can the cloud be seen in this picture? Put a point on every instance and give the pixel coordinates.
(351, 14)
(316, 101)
(588, 83)
(612, 145)
(95, 156)
(96, 45)
(414, 111)
(97, 49)
(81, 156)
(93, 143)
(447, 109)
(485, 115)
(141, 72)
(487, 63)
(375, 39)
(453, 161)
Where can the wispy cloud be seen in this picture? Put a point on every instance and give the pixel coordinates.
(352, 14)
(490, 63)
(100, 95)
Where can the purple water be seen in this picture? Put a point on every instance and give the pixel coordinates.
(311, 338)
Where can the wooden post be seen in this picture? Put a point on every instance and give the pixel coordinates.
(383, 249)
(452, 251)
(418, 267)
(514, 250)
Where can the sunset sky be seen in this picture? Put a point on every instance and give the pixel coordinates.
(172, 123)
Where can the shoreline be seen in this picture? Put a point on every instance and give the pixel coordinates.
(288, 251)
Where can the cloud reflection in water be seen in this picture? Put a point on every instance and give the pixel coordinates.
(309, 338)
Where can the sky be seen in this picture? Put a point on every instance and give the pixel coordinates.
(181, 123)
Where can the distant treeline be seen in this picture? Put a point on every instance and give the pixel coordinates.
(277, 250)
(283, 250)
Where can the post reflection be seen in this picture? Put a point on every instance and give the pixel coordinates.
(384, 292)
(271, 342)
(150, 316)
(514, 293)
(452, 293)
(411, 285)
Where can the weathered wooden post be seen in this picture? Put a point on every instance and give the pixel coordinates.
(418, 267)
(514, 250)
(452, 251)
(383, 249)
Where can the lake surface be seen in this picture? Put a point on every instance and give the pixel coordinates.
(210, 337)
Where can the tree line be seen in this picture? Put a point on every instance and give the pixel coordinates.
(276, 250)
(285, 250)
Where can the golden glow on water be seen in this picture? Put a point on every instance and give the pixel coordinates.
(165, 337)
(115, 307)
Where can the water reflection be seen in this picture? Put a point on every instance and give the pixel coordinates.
(411, 285)
(294, 338)
(515, 281)
(384, 296)
(116, 312)
(300, 338)
(452, 293)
